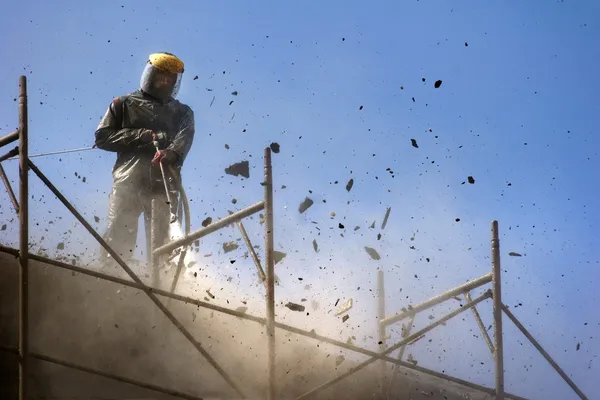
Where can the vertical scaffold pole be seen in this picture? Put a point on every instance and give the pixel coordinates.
(270, 265)
(23, 241)
(497, 293)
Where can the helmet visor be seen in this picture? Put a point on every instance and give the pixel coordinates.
(160, 84)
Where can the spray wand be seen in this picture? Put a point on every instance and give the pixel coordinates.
(162, 171)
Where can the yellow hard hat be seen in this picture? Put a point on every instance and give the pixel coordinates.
(166, 62)
(162, 76)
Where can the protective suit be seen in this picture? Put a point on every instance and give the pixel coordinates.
(132, 126)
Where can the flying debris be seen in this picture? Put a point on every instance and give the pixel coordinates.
(372, 253)
(237, 169)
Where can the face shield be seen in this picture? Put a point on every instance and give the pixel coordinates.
(160, 84)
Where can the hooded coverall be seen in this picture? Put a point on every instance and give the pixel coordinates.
(136, 181)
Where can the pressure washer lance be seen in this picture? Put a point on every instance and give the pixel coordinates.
(162, 171)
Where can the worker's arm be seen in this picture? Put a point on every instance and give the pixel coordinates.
(182, 142)
(110, 135)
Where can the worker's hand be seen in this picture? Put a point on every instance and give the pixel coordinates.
(164, 156)
(160, 137)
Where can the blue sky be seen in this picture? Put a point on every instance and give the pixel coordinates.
(514, 111)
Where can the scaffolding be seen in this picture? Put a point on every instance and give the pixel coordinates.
(21, 206)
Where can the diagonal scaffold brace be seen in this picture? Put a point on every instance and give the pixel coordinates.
(136, 279)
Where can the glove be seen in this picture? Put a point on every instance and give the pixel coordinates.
(164, 156)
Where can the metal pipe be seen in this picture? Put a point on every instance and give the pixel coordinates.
(9, 189)
(135, 278)
(23, 241)
(497, 291)
(12, 153)
(539, 348)
(465, 287)
(409, 339)
(8, 139)
(249, 317)
(215, 226)
(270, 264)
(261, 272)
(381, 329)
(486, 337)
(115, 377)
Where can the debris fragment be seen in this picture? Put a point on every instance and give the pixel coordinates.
(349, 184)
(207, 222)
(345, 318)
(372, 253)
(242, 309)
(372, 225)
(233, 201)
(360, 108)
(345, 307)
(226, 146)
(196, 77)
(513, 254)
(315, 246)
(278, 256)
(341, 226)
(241, 168)
(96, 219)
(578, 347)
(339, 359)
(295, 307)
(471, 180)
(314, 304)
(414, 143)
(212, 296)
(235, 93)
(274, 147)
(437, 83)
(229, 246)
(3, 227)
(385, 218)
(61, 246)
(305, 205)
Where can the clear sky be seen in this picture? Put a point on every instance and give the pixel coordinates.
(343, 87)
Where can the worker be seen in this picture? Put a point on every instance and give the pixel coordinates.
(132, 127)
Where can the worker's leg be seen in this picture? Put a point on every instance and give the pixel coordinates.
(160, 219)
(123, 213)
